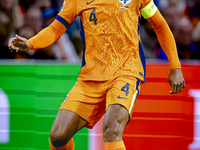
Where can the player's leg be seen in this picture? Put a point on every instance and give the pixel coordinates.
(115, 120)
(66, 124)
(73, 115)
(119, 103)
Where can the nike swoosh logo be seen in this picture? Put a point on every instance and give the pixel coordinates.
(88, 3)
(121, 97)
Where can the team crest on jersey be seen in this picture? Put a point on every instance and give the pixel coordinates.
(125, 2)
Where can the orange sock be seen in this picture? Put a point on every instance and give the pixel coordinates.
(119, 145)
(68, 146)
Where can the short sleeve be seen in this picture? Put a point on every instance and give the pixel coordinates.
(68, 13)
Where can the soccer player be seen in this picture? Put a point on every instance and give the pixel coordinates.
(113, 66)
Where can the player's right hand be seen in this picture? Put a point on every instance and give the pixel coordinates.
(176, 80)
(18, 43)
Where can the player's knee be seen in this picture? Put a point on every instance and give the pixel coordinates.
(58, 138)
(112, 131)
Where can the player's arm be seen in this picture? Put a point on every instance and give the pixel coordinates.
(47, 36)
(43, 39)
(167, 42)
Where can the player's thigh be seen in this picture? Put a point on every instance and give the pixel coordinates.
(66, 124)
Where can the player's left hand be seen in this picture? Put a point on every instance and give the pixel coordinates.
(176, 80)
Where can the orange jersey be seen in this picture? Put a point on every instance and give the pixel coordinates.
(110, 36)
(110, 33)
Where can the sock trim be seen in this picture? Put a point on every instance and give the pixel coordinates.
(114, 145)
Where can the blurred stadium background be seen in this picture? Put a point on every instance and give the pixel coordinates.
(34, 84)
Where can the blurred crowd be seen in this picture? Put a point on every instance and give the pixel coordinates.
(27, 17)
